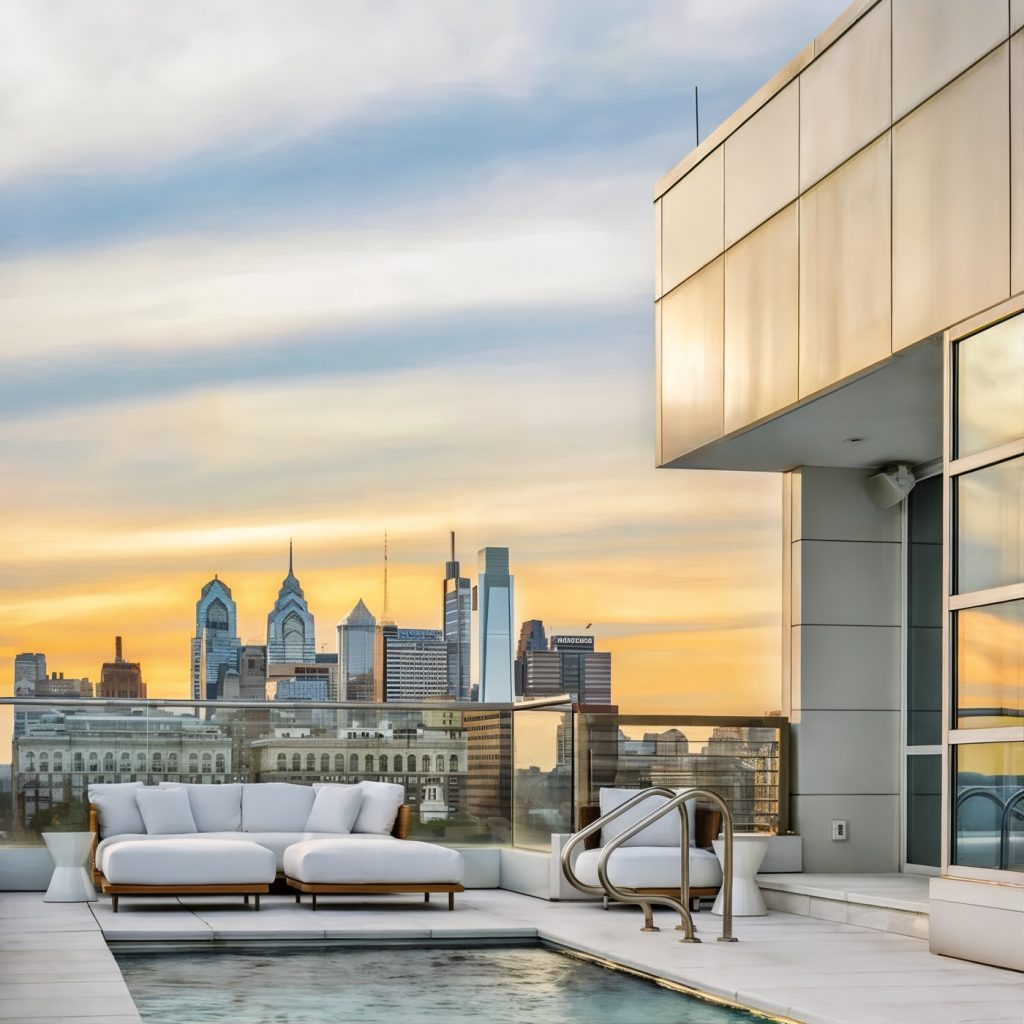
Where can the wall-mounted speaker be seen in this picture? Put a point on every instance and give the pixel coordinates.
(891, 485)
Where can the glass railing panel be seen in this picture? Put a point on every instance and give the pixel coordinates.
(542, 783)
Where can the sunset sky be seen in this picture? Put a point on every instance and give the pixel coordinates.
(320, 270)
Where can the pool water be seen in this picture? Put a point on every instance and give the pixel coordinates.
(401, 985)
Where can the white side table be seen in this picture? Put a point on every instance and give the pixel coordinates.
(747, 853)
(71, 882)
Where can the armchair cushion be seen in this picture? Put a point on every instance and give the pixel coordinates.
(664, 832)
(379, 808)
(276, 807)
(335, 809)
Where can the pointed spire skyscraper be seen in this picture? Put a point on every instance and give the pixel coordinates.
(290, 627)
(457, 616)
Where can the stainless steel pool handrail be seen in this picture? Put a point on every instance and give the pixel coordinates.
(675, 802)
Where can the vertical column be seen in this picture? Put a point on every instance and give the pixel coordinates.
(843, 679)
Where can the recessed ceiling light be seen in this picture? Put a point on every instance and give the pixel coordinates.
(855, 440)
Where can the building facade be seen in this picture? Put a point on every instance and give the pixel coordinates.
(291, 635)
(355, 654)
(572, 666)
(416, 665)
(29, 668)
(531, 638)
(215, 644)
(120, 678)
(495, 605)
(291, 676)
(252, 672)
(457, 611)
(840, 299)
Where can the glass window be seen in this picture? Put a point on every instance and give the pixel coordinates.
(453, 763)
(368, 763)
(924, 809)
(296, 762)
(989, 809)
(990, 527)
(990, 666)
(353, 763)
(282, 762)
(924, 614)
(990, 387)
(108, 762)
(172, 762)
(220, 763)
(411, 766)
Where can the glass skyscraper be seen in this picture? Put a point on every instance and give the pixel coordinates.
(290, 634)
(457, 627)
(355, 654)
(215, 643)
(494, 603)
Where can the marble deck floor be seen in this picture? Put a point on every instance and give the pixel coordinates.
(802, 968)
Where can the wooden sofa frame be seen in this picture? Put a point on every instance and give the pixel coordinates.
(709, 824)
(400, 830)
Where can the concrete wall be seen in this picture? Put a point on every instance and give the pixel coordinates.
(843, 669)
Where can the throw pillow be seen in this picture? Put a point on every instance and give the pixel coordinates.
(119, 813)
(335, 809)
(165, 811)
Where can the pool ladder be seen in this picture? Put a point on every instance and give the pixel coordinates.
(675, 802)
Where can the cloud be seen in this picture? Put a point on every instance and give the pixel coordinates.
(113, 86)
(517, 242)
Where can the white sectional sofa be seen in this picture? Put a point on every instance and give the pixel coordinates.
(233, 839)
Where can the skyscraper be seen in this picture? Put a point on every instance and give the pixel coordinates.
(290, 635)
(120, 678)
(416, 663)
(571, 666)
(215, 644)
(355, 654)
(494, 604)
(252, 672)
(28, 670)
(458, 627)
(531, 638)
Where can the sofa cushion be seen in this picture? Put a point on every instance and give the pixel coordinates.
(374, 862)
(165, 811)
(188, 862)
(664, 832)
(215, 808)
(650, 867)
(119, 811)
(379, 809)
(335, 809)
(275, 807)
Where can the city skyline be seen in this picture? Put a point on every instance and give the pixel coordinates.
(227, 340)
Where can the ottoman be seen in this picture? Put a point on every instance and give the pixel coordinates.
(384, 865)
(175, 867)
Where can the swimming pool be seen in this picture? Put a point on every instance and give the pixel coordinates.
(401, 984)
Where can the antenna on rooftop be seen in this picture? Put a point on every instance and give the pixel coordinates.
(385, 574)
(696, 115)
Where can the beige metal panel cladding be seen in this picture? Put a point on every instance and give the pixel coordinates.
(844, 96)
(845, 289)
(761, 289)
(1017, 162)
(762, 164)
(692, 221)
(658, 290)
(934, 40)
(691, 363)
(1016, 15)
(951, 203)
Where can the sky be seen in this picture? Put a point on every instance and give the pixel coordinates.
(318, 271)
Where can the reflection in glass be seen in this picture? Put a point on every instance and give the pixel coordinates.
(988, 815)
(924, 809)
(990, 666)
(990, 387)
(990, 527)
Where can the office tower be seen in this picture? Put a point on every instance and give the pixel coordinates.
(355, 654)
(28, 670)
(120, 678)
(252, 672)
(531, 638)
(458, 627)
(330, 662)
(290, 634)
(571, 666)
(324, 675)
(312, 688)
(416, 665)
(55, 685)
(384, 630)
(494, 605)
(215, 644)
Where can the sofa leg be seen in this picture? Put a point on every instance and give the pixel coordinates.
(113, 900)
(246, 899)
(298, 897)
(451, 901)
(257, 900)
(314, 901)
(426, 897)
